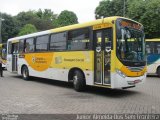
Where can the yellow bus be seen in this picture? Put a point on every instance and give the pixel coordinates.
(96, 53)
(3, 54)
(153, 56)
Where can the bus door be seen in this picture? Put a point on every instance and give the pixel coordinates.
(12, 57)
(103, 43)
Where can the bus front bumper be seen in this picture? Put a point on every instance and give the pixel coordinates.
(124, 82)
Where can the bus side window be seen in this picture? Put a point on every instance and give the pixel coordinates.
(42, 43)
(29, 45)
(158, 48)
(26, 48)
(79, 39)
(148, 50)
(10, 48)
(21, 46)
(58, 41)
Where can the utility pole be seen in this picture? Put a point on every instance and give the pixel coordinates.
(1, 19)
(1, 29)
(124, 7)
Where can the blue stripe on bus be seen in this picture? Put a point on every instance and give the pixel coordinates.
(152, 58)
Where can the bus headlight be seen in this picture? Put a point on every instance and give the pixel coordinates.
(120, 73)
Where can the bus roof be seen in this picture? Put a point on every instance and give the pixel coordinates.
(155, 40)
(71, 27)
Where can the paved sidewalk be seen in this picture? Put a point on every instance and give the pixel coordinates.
(42, 96)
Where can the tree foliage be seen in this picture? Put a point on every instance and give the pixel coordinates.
(146, 12)
(108, 8)
(27, 29)
(45, 19)
(66, 18)
(47, 14)
(9, 27)
(42, 20)
(136, 9)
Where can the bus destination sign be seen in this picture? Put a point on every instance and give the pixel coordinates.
(130, 24)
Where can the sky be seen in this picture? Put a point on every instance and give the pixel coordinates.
(84, 9)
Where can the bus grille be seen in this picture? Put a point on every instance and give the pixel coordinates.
(135, 69)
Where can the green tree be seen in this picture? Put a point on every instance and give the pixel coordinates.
(108, 8)
(27, 29)
(9, 27)
(41, 20)
(136, 9)
(26, 17)
(66, 18)
(46, 19)
(47, 14)
(146, 12)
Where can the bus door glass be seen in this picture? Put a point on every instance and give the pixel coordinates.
(15, 56)
(12, 56)
(9, 57)
(103, 40)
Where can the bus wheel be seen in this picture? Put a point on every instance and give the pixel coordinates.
(25, 73)
(79, 81)
(158, 71)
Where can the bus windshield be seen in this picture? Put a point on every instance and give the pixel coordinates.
(130, 41)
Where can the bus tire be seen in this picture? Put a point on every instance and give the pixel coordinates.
(79, 81)
(25, 73)
(158, 71)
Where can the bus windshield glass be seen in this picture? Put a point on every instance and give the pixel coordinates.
(130, 41)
